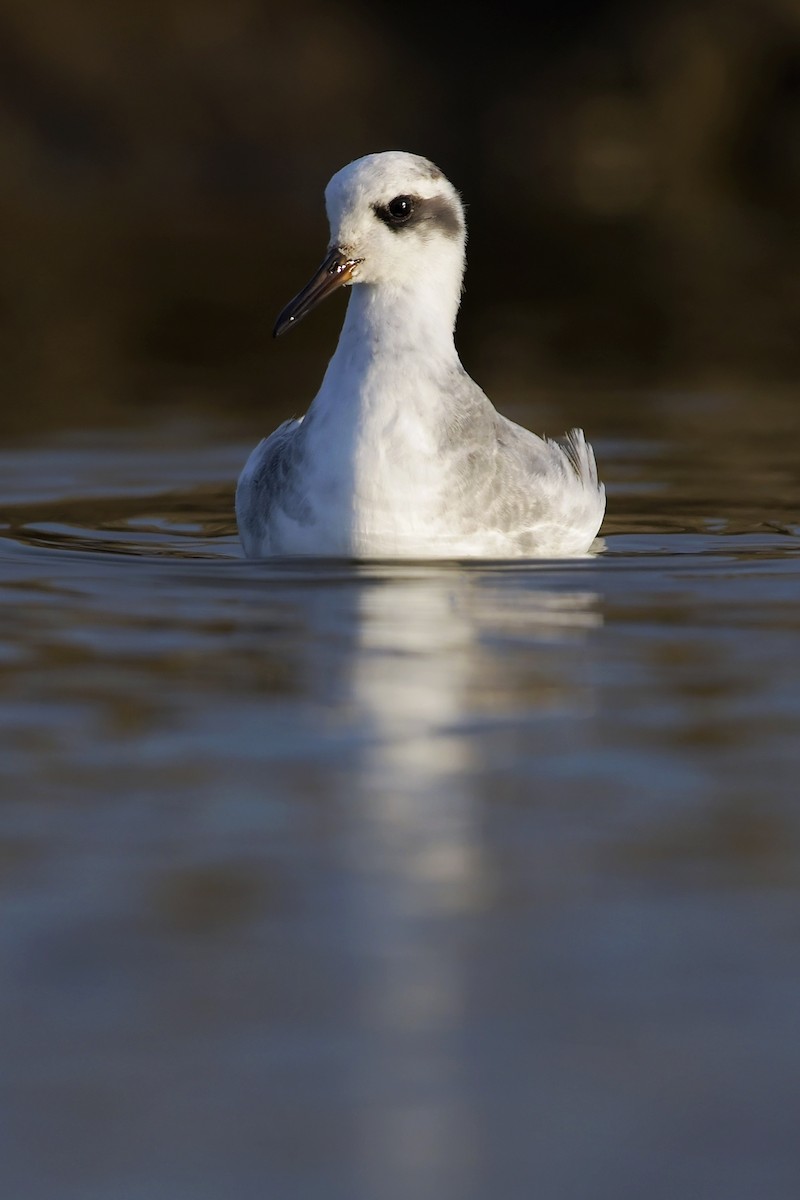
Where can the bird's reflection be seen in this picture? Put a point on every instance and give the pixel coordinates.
(442, 659)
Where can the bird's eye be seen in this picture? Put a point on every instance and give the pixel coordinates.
(400, 209)
(397, 212)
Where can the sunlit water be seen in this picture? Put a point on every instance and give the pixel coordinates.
(361, 882)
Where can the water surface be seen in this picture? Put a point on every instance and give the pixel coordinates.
(338, 880)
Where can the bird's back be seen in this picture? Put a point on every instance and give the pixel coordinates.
(482, 486)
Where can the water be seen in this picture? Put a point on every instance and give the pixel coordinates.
(327, 880)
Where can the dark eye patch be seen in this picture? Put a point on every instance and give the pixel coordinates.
(405, 212)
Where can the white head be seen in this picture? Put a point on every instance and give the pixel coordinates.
(396, 223)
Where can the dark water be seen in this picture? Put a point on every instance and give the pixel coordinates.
(364, 882)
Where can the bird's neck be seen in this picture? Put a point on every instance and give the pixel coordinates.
(382, 395)
(413, 322)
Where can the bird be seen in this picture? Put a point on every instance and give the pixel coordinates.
(401, 455)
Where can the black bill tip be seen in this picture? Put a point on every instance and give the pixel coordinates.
(335, 272)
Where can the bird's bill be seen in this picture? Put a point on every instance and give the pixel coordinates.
(335, 272)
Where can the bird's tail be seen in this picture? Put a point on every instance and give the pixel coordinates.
(580, 456)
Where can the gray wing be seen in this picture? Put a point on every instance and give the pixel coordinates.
(507, 478)
(269, 486)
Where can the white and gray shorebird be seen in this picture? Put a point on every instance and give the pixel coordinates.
(401, 455)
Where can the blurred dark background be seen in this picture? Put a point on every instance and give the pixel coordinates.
(632, 172)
